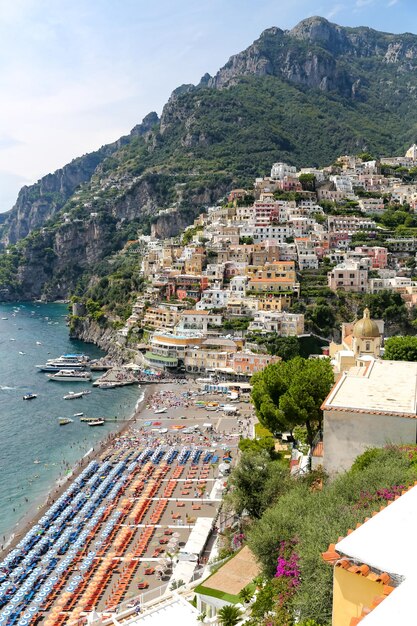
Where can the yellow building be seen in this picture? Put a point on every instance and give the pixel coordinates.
(279, 276)
(374, 576)
(160, 317)
(274, 303)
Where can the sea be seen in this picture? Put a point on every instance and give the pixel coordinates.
(29, 430)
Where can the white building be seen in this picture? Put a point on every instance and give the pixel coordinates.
(280, 170)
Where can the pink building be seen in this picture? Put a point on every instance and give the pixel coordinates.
(377, 254)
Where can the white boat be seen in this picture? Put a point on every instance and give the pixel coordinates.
(73, 395)
(107, 385)
(30, 396)
(78, 414)
(4, 318)
(20, 352)
(36, 462)
(64, 420)
(39, 343)
(70, 376)
(96, 423)
(163, 410)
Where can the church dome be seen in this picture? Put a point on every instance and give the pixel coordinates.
(365, 327)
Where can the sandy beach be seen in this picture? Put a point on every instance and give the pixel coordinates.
(168, 464)
(32, 517)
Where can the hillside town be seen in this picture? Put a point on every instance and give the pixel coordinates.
(275, 450)
(243, 268)
(238, 275)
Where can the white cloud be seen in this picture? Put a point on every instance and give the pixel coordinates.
(334, 10)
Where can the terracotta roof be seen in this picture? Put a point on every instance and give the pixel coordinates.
(194, 312)
(318, 449)
(333, 557)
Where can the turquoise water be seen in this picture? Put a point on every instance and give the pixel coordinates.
(29, 430)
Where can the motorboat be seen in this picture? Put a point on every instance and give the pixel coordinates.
(66, 361)
(64, 420)
(72, 395)
(55, 366)
(96, 422)
(107, 385)
(30, 396)
(90, 419)
(163, 410)
(70, 376)
(78, 414)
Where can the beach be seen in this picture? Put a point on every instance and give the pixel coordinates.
(167, 481)
(31, 518)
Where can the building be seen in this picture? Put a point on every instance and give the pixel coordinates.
(247, 363)
(374, 575)
(223, 587)
(198, 320)
(167, 350)
(280, 170)
(282, 323)
(359, 339)
(349, 276)
(377, 254)
(372, 405)
(276, 277)
(160, 317)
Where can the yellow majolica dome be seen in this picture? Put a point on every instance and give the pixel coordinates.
(365, 327)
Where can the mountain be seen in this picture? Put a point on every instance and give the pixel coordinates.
(304, 96)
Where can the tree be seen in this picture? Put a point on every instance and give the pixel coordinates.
(229, 615)
(291, 393)
(256, 482)
(401, 349)
(246, 594)
(308, 182)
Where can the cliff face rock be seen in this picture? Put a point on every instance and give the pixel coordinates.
(39, 202)
(304, 96)
(89, 331)
(314, 54)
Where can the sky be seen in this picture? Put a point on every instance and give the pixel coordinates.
(76, 74)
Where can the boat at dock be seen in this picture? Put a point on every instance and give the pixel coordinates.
(92, 419)
(107, 385)
(64, 420)
(66, 361)
(96, 422)
(70, 376)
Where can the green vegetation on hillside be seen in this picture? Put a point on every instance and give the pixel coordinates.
(292, 521)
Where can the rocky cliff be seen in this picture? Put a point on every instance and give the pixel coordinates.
(304, 96)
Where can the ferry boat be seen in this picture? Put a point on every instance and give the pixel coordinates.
(70, 376)
(30, 396)
(64, 420)
(65, 361)
(96, 422)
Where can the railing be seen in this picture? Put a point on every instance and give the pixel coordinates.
(148, 601)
